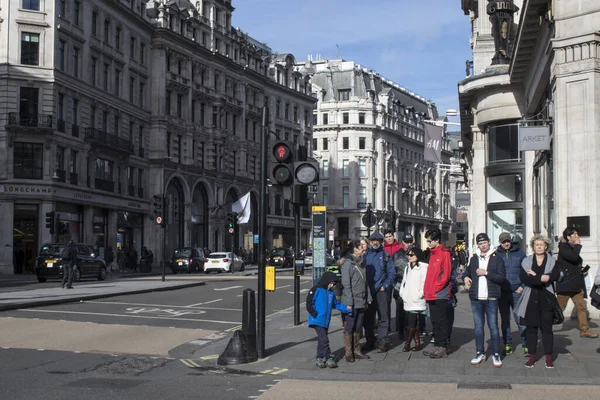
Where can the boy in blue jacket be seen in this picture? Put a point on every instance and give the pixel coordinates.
(319, 304)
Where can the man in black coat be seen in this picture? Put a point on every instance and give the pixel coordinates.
(572, 284)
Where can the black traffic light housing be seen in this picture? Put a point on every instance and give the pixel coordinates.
(51, 221)
(281, 164)
(158, 208)
(231, 223)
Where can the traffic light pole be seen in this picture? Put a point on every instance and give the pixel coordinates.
(262, 234)
(296, 275)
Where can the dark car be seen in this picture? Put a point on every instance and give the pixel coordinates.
(281, 258)
(188, 259)
(49, 264)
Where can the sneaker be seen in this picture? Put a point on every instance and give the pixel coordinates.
(479, 358)
(531, 362)
(439, 352)
(321, 362)
(496, 360)
(549, 362)
(331, 363)
(508, 349)
(525, 352)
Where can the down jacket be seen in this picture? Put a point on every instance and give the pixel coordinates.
(512, 261)
(320, 302)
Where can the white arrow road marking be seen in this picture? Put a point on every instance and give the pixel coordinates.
(207, 302)
(301, 291)
(228, 288)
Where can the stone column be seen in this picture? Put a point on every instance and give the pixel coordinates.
(112, 229)
(478, 217)
(88, 225)
(6, 237)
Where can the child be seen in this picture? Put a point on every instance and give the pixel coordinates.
(319, 304)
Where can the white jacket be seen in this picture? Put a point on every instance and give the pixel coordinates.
(411, 289)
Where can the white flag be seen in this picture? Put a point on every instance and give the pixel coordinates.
(243, 209)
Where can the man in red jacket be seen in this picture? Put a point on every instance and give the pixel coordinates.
(437, 291)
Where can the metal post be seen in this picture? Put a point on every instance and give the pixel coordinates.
(369, 220)
(233, 218)
(164, 226)
(296, 276)
(262, 232)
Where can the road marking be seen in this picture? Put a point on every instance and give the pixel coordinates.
(281, 287)
(228, 288)
(210, 357)
(301, 291)
(280, 371)
(129, 316)
(199, 342)
(235, 328)
(274, 371)
(166, 312)
(161, 305)
(207, 302)
(190, 363)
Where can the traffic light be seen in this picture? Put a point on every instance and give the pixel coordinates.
(282, 164)
(230, 223)
(50, 221)
(158, 208)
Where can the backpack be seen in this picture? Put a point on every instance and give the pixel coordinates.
(65, 254)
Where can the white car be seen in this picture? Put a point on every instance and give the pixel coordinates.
(308, 258)
(223, 262)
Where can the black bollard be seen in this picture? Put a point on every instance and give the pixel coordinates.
(249, 322)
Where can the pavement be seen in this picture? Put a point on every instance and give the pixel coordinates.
(290, 353)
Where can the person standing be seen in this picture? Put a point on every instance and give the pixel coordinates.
(109, 258)
(411, 291)
(380, 278)
(71, 262)
(535, 310)
(572, 285)
(484, 278)
(355, 294)
(512, 256)
(398, 254)
(438, 291)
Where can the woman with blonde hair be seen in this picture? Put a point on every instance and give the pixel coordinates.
(535, 307)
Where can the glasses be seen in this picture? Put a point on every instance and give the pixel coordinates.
(412, 255)
(506, 241)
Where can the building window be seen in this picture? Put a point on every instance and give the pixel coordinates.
(93, 117)
(345, 168)
(325, 119)
(314, 120)
(117, 82)
(168, 103)
(362, 168)
(346, 118)
(104, 169)
(325, 168)
(60, 158)
(105, 76)
(132, 89)
(345, 143)
(287, 112)
(131, 128)
(362, 195)
(75, 65)
(168, 144)
(179, 105)
(142, 52)
(315, 144)
(346, 194)
(75, 112)
(503, 143)
(76, 13)
(325, 196)
(60, 107)
(116, 128)
(118, 34)
(73, 162)
(62, 9)
(28, 161)
(344, 95)
(504, 188)
(141, 90)
(31, 5)
(361, 143)
(93, 66)
(132, 48)
(105, 121)
(61, 55)
(325, 144)
(30, 48)
(106, 31)
(95, 23)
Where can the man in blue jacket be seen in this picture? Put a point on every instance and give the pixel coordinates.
(380, 278)
(512, 255)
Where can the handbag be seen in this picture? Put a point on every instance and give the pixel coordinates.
(558, 317)
(595, 296)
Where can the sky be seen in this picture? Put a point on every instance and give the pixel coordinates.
(421, 45)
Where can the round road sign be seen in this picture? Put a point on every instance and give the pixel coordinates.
(159, 220)
(230, 230)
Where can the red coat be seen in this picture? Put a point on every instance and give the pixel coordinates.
(391, 248)
(437, 282)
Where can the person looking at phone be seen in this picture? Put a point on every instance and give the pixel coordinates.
(572, 284)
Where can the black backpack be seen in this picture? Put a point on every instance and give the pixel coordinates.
(65, 254)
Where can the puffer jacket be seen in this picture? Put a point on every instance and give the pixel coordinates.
(379, 272)
(412, 288)
(512, 259)
(320, 302)
(355, 290)
(437, 283)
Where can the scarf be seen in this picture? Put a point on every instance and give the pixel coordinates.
(527, 264)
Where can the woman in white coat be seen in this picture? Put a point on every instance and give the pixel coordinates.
(411, 291)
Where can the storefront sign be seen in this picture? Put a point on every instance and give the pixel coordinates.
(533, 138)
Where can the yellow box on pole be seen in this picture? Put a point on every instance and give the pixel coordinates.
(270, 279)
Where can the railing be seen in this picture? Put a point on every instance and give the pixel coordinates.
(75, 130)
(95, 135)
(102, 184)
(73, 178)
(131, 190)
(34, 121)
(201, 88)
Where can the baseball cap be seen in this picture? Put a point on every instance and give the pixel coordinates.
(376, 236)
(482, 237)
(408, 238)
(504, 236)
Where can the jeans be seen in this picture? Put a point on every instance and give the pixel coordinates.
(379, 305)
(400, 316)
(67, 274)
(547, 336)
(323, 350)
(438, 312)
(482, 310)
(506, 303)
(354, 321)
(579, 301)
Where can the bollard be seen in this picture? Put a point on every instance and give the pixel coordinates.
(249, 322)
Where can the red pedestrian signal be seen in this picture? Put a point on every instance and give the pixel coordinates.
(282, 152)
(282, 164)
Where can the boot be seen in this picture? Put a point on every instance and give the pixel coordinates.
(370, 345)
(417, 337)
(438, 352)
(348, 347)
(409, 337)
(382, 346)
(357, 353)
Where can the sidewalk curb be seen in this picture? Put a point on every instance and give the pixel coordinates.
(42, 303)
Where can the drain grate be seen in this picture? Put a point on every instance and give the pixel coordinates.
(484, 385)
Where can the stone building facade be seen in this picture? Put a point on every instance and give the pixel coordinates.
(368, 140)
(550, 79)
(108, 103)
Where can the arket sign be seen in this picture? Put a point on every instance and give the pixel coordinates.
(532, 138)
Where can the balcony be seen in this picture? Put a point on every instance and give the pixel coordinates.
(75, 130)
(103, 184)
(177, 82)
(73, 178)
(99, 138)
(60, 125)
(131, 190)
(141, 193)
(44, 123)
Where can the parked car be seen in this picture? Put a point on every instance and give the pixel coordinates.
(49, 264)
(308, 258)
(188, 259)
(223, 262)
(281, 257)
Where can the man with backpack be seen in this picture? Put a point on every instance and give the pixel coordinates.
(69, 257)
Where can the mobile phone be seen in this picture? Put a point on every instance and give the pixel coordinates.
(585, 269)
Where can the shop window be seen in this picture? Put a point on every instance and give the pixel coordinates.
(28, 161)
(503, 143)
(504, 188)
(507, 220)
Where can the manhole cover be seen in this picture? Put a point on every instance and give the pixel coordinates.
(128, 366)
